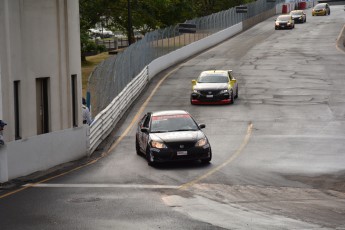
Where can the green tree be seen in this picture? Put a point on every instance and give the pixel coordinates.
(207, 7)
(90, 12)
(145, 15)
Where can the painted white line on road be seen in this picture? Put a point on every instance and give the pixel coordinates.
(140, 186)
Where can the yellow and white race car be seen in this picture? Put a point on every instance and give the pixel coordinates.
(214, 87)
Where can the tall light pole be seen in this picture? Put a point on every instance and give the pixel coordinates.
(129, 35)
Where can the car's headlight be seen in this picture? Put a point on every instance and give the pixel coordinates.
(202, 142)
(224, 91)
(158, 145)
(277, 23)
(196, 91)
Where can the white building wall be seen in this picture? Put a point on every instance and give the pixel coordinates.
(45, 151)
(40, 38)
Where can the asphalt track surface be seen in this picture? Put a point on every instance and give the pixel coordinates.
(278, 152)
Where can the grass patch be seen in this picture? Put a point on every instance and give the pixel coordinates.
(89, 65)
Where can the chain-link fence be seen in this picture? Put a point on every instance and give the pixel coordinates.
(111, 76)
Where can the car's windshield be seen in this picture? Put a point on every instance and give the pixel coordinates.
(296, 13)
(170, 123)
(283, 18)
(319, 7)
(212, 78)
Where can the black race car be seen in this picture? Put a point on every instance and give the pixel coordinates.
(299, 16)
(171, 136)
(284, 22)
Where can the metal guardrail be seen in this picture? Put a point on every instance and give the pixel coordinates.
(109, 117)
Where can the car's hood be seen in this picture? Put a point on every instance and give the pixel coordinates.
(211, 86)
(296, 16)
(178, 136)
(283, 21)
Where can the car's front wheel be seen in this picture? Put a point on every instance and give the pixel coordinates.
(236, 96)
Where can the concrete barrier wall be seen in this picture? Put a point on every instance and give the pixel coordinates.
(176, 56)
(258, 18)
(42, 152)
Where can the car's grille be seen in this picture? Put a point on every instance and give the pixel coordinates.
(209, 92)
(180, 145)
(283, 24)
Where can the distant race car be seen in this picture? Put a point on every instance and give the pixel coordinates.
(298, 16)
(321, 9)
(171, 135)
(214, 87)
(284, 21)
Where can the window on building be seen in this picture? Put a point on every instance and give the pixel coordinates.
(74, 100)
(42, 99)
(16, 97)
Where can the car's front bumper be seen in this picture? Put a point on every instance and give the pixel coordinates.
(284, 26)
(169, 154)
(199, 102)
(319, 13)
(200, 99)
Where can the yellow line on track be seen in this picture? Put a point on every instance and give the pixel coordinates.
(133, 122)
(232, 158)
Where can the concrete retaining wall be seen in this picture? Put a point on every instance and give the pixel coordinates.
(258, 18)
(42, 152)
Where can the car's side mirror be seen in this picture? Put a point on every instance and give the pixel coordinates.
(193, 82)
(144, 129)
(202, 126)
